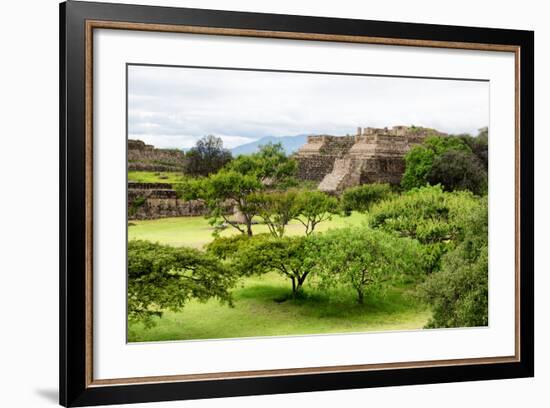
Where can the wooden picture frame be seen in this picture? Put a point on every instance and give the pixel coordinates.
(78, 20)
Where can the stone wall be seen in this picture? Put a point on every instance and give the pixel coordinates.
(143, 157)
(373, 155)
(316, 158)
(158, 200)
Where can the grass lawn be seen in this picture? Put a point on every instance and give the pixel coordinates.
(260, 310)
(156, 177)
(196, 231)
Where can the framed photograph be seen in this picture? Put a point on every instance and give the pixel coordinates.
(258, 203)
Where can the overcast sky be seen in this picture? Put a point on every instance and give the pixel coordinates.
(174, 106)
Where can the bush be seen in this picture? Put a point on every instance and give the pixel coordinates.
(419, 160)
(434, 217)
(458, 294)
(161, 277)
(361, 198)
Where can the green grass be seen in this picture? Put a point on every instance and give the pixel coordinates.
(260, 309)
(196, 231)
(261, 304)
(156, 177)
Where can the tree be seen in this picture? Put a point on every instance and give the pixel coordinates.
(430, 215)
(291, 257)
(479, 146)
(270, 165)
(458, 170)
(224, 192)
(419, 160)
(313, 208)
(277, 209)
(365, 259)
(207, 157)
(458, 294)
(166, 278)
(361, 198)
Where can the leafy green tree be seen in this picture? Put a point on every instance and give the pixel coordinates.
(362, 197)
(419, 160)
(458, 170)
(458, 294)
(430, 215)
(364, 259)
(225, 248)
(166, 278)
(479, 146)
(207, 157)
(224, 192)
(292, 257)
(313, 208)
(270, 165)
(277, 209)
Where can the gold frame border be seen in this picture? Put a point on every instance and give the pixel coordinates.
(93, 24)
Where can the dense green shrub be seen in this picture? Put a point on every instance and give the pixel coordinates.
(479, 145)
(362, 197)
(226, 247)
(419, 160)
(455, 162)
(458, 170)
(161, 277)
(432, 216)
(364, 260)
(458, 294)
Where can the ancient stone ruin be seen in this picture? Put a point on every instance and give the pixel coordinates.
(371, 156)
(144, 157)
(159, 200)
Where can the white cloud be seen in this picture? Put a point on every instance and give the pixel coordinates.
(174, 107)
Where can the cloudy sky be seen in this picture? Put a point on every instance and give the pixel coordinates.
(175, 106)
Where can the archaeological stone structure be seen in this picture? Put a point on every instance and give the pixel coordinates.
(159, 200)
(373, 155)
(144, 157)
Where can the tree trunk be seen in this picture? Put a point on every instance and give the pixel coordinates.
(249, 228)
(293, 287)
(360, 297)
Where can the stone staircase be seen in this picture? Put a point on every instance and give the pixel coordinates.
(344, 174)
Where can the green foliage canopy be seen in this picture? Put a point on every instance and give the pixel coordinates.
(224, 192)
(291, 257)
(161, 277)
(270, 165)
(430, 215)
(458, 170)
(313, 208)
(365, 259)
(362, 197)
(277, 209)
(207, 157)
(419, 160)
(458, 294)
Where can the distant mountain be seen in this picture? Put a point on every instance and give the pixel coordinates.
(290, 144)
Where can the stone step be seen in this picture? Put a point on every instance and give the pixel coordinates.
(340, 176)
